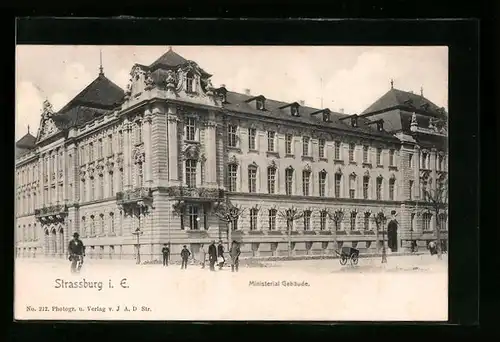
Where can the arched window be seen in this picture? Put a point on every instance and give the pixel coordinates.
(271, 179)
(111, 223)
(306, 182)
(322, 183)
(352, 186)
(352, 220)
(252, 178)
(84, 227)
(289, 181)
(190, 84)
(392, 183)
(366, 221)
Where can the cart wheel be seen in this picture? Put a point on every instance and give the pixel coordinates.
(343, 260)
(354, 259)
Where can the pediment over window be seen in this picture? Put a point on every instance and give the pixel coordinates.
(233, 161)
(323, 172)
(272, 165)
(253, 165)
(191, 152)
(353, 174)
(290, 168)
(367, 173)
(338, 171)
(307, 168)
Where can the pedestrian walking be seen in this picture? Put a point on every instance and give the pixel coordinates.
(203, 255)
(235, 252)
(220, 255)
(212, 255)
(165, 251)
(432, 248)
(185, 253)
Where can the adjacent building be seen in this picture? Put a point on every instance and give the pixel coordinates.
(137, 168)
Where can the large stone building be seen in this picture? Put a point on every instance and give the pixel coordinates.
(152, 164)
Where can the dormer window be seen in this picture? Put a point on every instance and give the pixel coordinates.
(222, 97)
(380, 126)
(326, 117)
(294, 110)
(260, 104)
(190, 82)
(354, 121)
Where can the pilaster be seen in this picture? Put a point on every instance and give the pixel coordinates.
(127, 145)
(173, 147)
(416, 168)
(211, 151)
(147, 147)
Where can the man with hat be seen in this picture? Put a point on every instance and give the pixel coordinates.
(235, 252)
(76, 251)
(212, 255)
(185, 253)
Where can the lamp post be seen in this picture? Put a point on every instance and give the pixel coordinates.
(380, 220)
(138, 232)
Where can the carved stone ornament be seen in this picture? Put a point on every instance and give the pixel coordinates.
(353, 174)
(339, 171)
(253, 165)
(119, 161)
(83, 173)
(307, 168)
(138, 156)
(148, 81)
(273, 165)
(393, 176)
(367, 173)
(110, 166)
(233, 161)
(91, 172)
(100, 169)
(191, 152)
(424, 174)
(171, 79)
(380, 176)
(47, 109)
(290, 167)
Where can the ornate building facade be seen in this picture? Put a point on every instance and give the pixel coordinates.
(132, 170)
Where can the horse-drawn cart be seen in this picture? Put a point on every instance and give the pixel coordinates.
(348, 253)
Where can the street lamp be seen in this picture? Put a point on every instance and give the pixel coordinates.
(138, 232)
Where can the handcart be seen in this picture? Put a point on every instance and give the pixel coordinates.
(348, 253)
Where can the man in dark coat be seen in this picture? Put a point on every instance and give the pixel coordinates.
(185, 253)
(212, 255)
(234, 252)
(220, 254)
(166, 254)
(76, 251)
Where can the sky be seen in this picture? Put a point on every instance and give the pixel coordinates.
(339, 77)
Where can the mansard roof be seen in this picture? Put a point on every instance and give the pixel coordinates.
(99, 97)
(238, 102)
(400, 98)
(27, 141)
(169, 59)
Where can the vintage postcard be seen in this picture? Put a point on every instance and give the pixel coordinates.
(231, 183)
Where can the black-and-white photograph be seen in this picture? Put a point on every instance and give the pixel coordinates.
(231, 183)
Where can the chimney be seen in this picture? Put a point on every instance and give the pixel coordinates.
(302, 102)
(342, 110)
(247, 91)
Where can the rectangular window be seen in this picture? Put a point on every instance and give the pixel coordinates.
(233, 172)
(99, 149)
(321, 148)
(322, 183)
(110, 145)
(353, 221)
(391, 158)
(337, 150)
(427, 222)
(289, 182)
(440, 163)
(288, 144)
(366, 182)
(365, 154)
(272, 219)
(410, 160)
(338, 177)
(352, 187)
(322, 220)
(252, 179)
(379, 156)
(253, 219)
(392, 183)
(366, 223)
(190, 129)
(379, 189)
(271, 180)
(307, 220)
(424, 161)
(101, 186)
(270, 141)
(306, 178)
(410, 188)
(252, 133)
(232, 137)
(305, 146)
(192, 213)
(412, 222)
(351, 152)
(191, 173)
